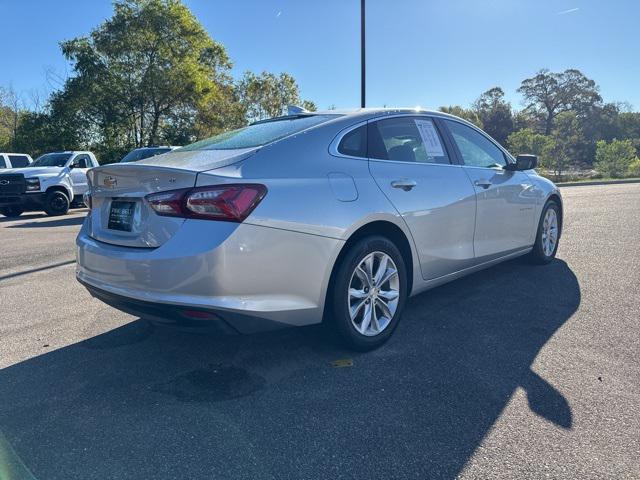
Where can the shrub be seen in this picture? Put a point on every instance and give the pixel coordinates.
(613, 159)
(634, 168)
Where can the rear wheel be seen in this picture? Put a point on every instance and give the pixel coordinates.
(11, 212)
(369, 293)
(548, 235)
(56, 203)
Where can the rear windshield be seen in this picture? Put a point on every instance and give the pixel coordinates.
(259, 133)
(51, 160)
(142, 153)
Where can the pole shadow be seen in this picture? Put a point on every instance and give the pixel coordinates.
(147, 402)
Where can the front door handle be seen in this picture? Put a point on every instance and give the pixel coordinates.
(404, 184)
(482, 183)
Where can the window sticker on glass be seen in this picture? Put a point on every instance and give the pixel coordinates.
(430, 138)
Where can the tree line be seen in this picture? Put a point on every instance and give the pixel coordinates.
(565, 122)
(148, 75)
(151, 75)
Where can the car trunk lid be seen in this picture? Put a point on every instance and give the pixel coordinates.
(121, 215)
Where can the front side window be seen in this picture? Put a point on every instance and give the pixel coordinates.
(406, 139)
(18, 161)
(81, 161)
(51, 160)
(3, 164)
(476, 149)
(259, 133)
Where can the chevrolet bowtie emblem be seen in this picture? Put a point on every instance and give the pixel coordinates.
(110, 182)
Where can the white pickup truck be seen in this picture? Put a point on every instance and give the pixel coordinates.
(53, 183)
(14, 160)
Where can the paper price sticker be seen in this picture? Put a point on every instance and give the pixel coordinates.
(430, 138)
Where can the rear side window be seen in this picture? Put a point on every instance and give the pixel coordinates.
(3, 164)
(407, 139)
(259, 133)
(18, 161)
(354, 143)
(476, 149)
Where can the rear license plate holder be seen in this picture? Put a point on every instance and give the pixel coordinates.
(121, 215)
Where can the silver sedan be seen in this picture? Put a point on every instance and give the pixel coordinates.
(336, 217)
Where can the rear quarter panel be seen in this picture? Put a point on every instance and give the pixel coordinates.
(300, 195)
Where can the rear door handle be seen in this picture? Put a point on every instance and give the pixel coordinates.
(404, 184)
(482, 183)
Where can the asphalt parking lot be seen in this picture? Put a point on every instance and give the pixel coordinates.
(518, 371)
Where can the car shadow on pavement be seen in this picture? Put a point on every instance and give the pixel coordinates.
(54, 222)
(147, 402)
(24, 216)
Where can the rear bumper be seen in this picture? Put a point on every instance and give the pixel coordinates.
(249, 277)
(24, 200)
(179, 315)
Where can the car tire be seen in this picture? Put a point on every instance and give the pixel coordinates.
(547, 235)
(56, 203)
(366, 301)
(11, 212)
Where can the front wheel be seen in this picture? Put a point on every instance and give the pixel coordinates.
(11, 212)
(548, 234)
(56, 203)
(369, 293)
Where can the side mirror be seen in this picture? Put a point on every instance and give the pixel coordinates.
(523, 162)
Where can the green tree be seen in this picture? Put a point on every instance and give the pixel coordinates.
(548, 94)
(634, 168)
(469, 115)
(600, 122)
(629, 128)
(495, 114)
(10, 118)
(309, 106)
(527, 141)
(267, 95)
(143, 72)
(613, 159)
(562, 153)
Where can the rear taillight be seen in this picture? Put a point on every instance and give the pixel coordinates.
(86, 199)
(233, 203)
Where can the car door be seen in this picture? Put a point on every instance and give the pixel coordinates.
(410, 163)
(78, 174)
(505, 199)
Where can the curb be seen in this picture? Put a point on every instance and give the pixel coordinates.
(599, 182)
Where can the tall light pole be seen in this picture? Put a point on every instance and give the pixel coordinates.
(363, 70)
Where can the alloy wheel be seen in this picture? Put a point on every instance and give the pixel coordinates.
(374, 292)
(549, 232)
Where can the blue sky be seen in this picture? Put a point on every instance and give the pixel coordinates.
(420, 52)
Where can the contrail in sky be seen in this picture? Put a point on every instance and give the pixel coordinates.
(571, 10)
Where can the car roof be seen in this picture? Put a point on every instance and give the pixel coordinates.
(156, 146)
(363, 114)
(377, 112)
(70, 151)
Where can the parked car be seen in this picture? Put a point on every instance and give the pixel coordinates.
(14, 160)
(145, 152)
(53, 182)
(326, 216)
